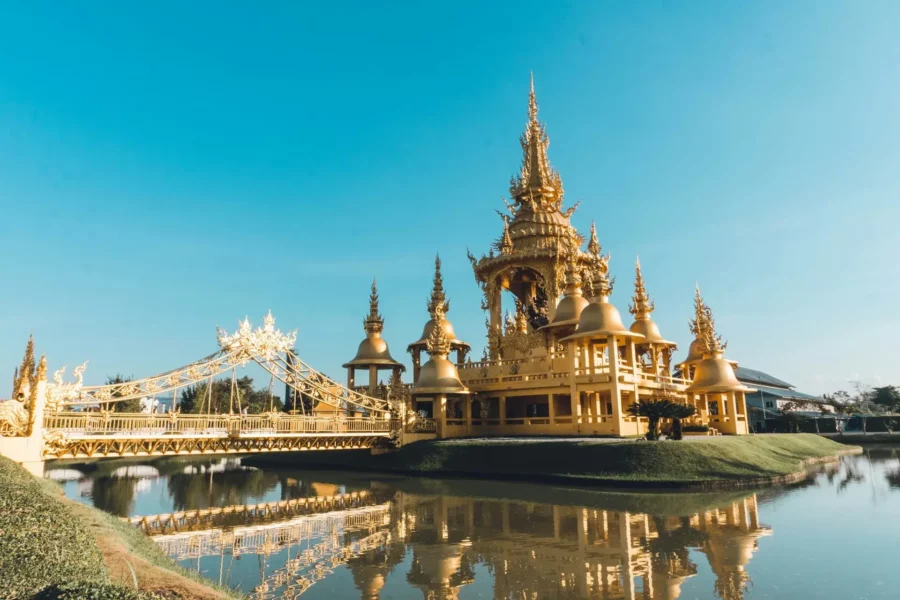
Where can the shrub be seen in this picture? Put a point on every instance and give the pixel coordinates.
(695, 428)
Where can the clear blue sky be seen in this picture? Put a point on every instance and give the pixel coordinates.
(168, 167)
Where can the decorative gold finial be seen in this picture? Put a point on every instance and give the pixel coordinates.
(437, 343)
(437, 291)
(506, 243)
(24, 379)
(538, 185)
(703, 326)
(642, 305)
(594, 244)
(373, 323)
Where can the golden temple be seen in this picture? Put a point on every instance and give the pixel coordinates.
(563, 362)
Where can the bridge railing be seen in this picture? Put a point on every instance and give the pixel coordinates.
(105, 424)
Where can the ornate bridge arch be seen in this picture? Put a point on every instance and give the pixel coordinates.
(63, 428)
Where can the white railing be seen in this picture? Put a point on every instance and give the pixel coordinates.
(106, 424)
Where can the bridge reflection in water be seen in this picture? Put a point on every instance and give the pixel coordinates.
(436, 544)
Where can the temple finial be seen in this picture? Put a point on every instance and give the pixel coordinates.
(506, 243)
(437, 291)
(538, 186)
(642, 305)
(593, 243)
(24, 378)
(703, 326)
(373, 323)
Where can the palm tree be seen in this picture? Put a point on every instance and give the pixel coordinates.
(653, 409)
(677, 412)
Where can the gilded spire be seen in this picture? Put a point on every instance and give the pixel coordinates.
(642, 305)
(537, 183)
(506, 243)
(437, 291)
(437, 343)
(703, 326)
(594, 244)
(24, 378)
(373, 323)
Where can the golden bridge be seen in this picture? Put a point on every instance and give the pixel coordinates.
(60, 420)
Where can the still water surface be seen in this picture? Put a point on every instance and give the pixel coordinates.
(348, 535)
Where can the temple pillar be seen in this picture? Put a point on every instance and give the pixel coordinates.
(574, 398)
(417, 364)
(351, 379)
(373, 379)
(439, 410)
(551, 409)
(467, 413)
(495, 304)
(502, 409)
(616, 391)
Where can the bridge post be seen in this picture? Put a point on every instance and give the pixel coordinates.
(28, 449)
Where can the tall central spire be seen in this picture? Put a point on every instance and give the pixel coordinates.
(538, 183)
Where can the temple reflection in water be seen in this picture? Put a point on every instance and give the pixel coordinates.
(442, 544)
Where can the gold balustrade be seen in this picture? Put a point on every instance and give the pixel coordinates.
(105, 424)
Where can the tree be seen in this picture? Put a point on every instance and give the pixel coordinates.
(887, 396)
(653, 410)
(221, 397)
(127, 406)
(677, 412)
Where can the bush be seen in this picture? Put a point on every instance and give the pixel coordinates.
(695, 428)
(41, 542)
(92, 591)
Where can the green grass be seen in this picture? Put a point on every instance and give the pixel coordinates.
(41, 543)
(715, 460)
(49, 543)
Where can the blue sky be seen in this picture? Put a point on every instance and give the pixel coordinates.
(171, 167)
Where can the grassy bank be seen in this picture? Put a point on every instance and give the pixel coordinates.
(54, 548)
(718, 462)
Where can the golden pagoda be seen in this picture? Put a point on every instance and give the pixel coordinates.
(715, 390)
(437, 300)
(560, 360)
(373, 354)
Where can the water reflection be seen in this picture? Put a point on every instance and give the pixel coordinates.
(277, 534)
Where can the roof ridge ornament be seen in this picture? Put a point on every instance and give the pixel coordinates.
(642, 304)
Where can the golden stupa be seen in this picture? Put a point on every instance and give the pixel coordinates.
(563, 362)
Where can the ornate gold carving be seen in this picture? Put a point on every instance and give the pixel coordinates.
(438, 297)
(17, 415)
(641, 306)
(265, 342)
(703, 326)
(373, 323)
(437, 343)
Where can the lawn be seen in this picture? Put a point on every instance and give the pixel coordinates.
(713, 460)
(54, 548)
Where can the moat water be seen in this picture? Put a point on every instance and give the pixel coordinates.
(327, 535)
